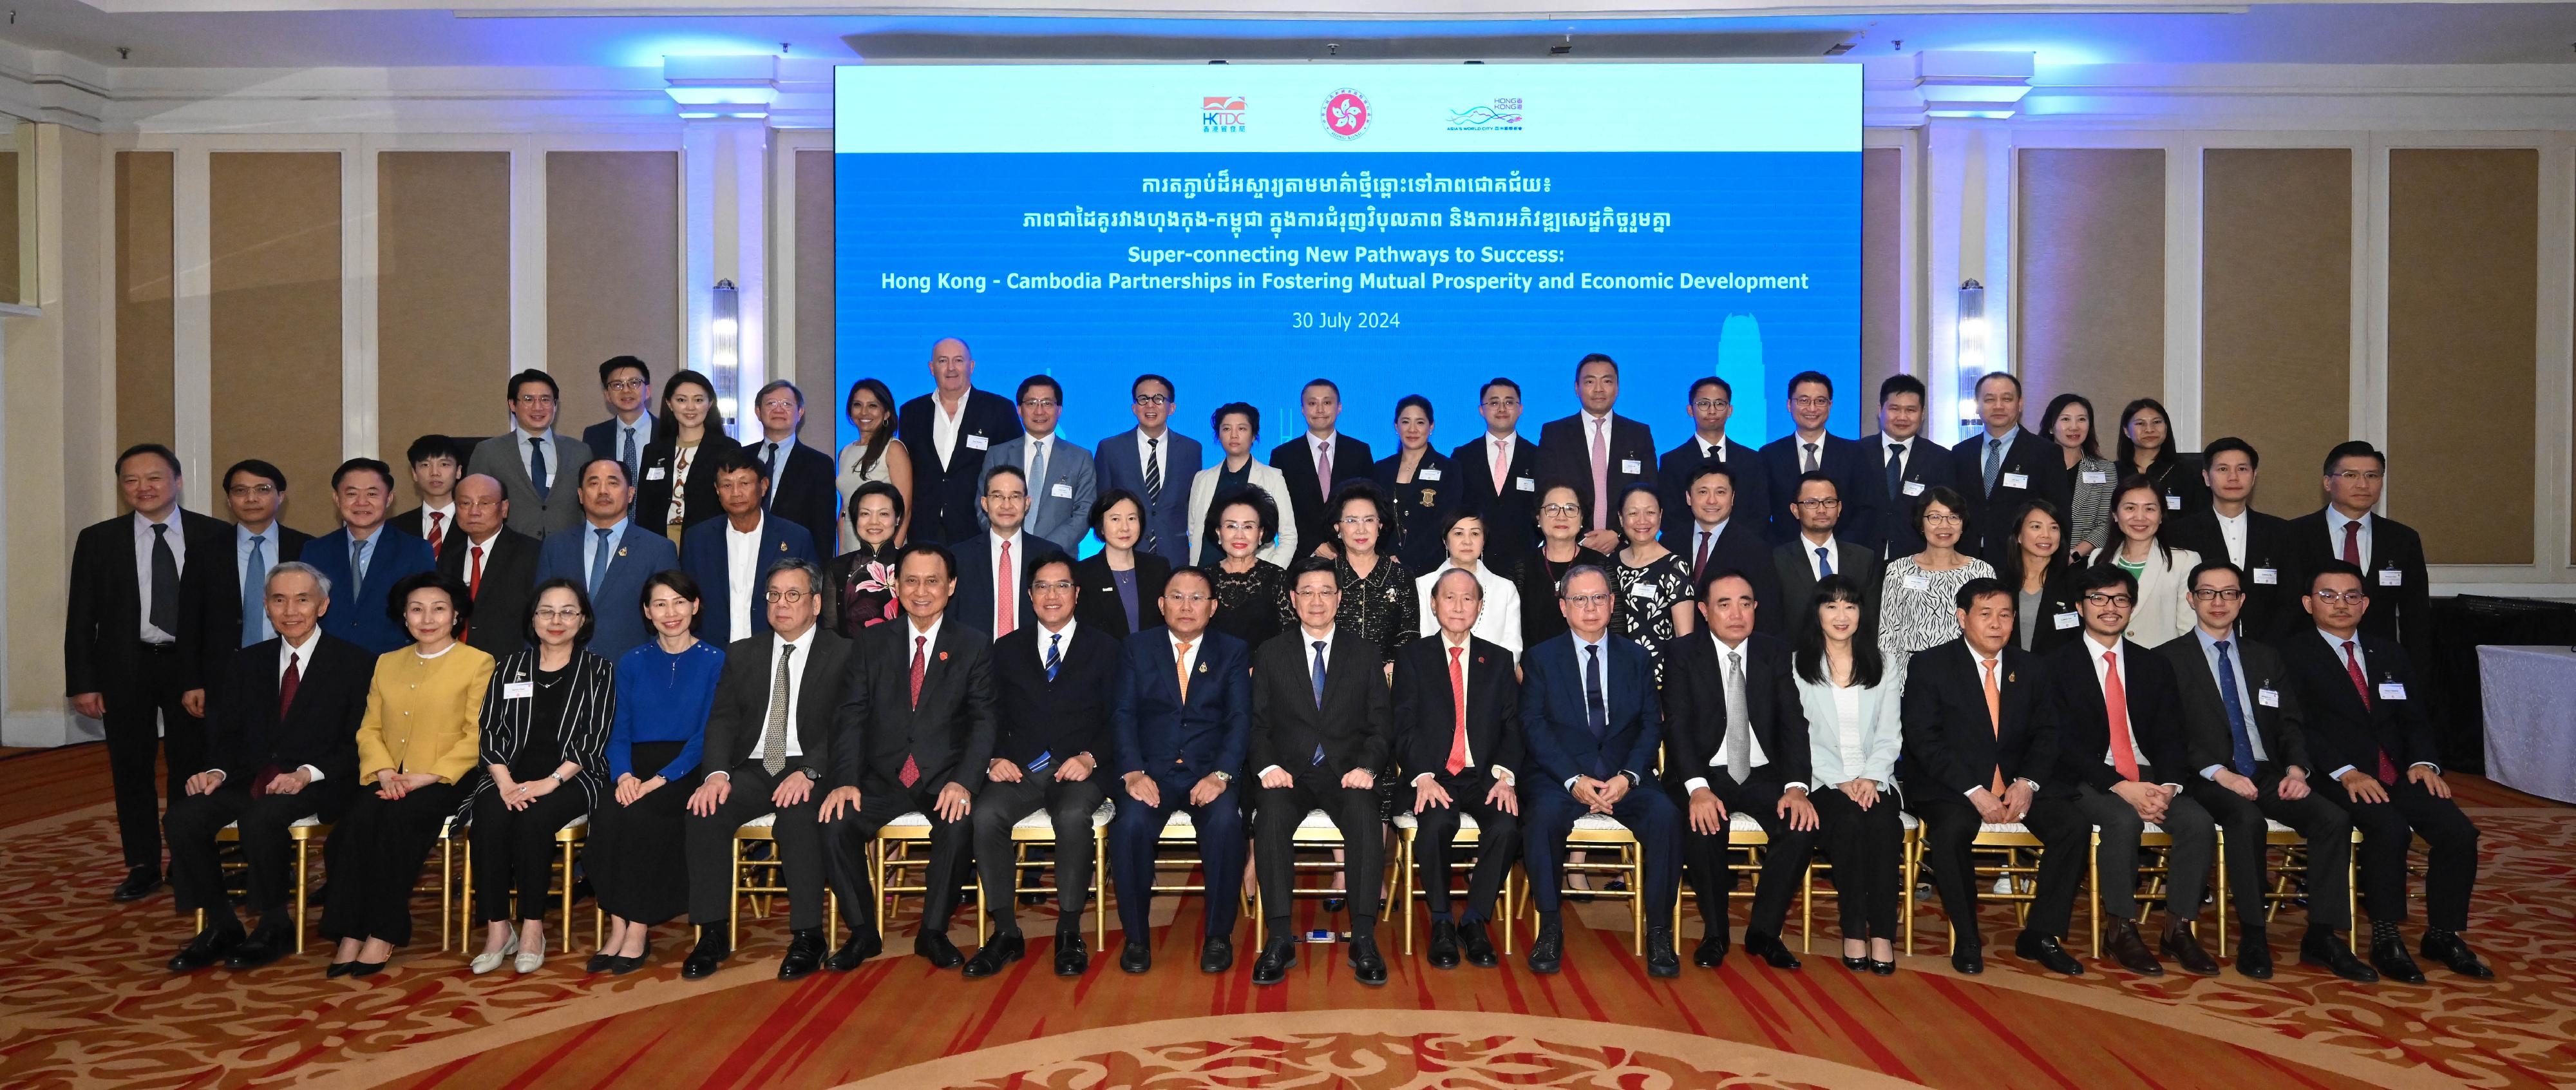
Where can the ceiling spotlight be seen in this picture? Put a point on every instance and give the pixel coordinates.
(1838, 49)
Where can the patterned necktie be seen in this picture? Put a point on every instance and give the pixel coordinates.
(911, 771)
(437, 533)
(1323, 469)
(1600, 474)
(1181, 667)
(1319, 696)
(165, 581)
(2352, 545)
(599, 559)
(2244, 744)
(1458, 701)
(773, 737)
(537, 469)
(2361, 687)
(626, 456)
(1055, 654)
(1811, 458)
(1895, 470)
(1995, 718)
(2115, 708)
(358, 551)
(287, 684)
(1153, 487)
(1739, 721)
(1994, 462)
(1004, 610)
(1700, 562)
(254, 590)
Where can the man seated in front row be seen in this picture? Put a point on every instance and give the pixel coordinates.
(1181, 721)
(1594, 722)
(770, 749)
(282, 733)
(2366, 725)
(1458, 726)
(1051, 685)
(1737, 735)
(1979, 730)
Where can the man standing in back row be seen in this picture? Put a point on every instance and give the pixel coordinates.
(948, 430)
(1156, 463)
(1598, 450)
(2003, 467)
(1504, 490)
(1809, 448)
(539, 471)
(1318, 462)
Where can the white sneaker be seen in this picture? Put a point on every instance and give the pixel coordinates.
(484, 963)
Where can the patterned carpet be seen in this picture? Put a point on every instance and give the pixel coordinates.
(85, 1003)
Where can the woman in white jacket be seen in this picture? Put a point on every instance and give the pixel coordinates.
(2163, 573)
(1854, 703)
(1462, 534)
(1237, 426)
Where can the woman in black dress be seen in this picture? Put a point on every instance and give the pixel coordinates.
(2146, 449)
(1116, 588)
(1251, 593)
(546, 717)
(1421, 487)
(859, 584)
(1561, 519)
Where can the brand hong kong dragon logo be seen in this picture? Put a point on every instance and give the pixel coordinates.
(1346, 114)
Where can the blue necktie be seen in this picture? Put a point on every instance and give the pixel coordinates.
(1319, 693)
(1596, 709)
(358, 551)
(626, 458)
(599, 560)
(537, 469)
(1994, 462)
(1824, 560)
(2244, 755)
(1055, 654)
(769, 465)
(255, 592)
(1895, 470)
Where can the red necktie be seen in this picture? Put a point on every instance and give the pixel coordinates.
(1458, 698)
(2361, 686)
(2115, 705)
(1003, 611)
(2352, 545)
(1701, 564)
(437, 532)
(286, 686)
(473, 580)
(911, 773)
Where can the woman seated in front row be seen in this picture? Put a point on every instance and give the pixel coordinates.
(666, 690)
(545, 732)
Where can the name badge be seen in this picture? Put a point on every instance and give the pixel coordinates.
(1913, 488)
(1642, 590)
(977, 442)
(1525, 484)
(2391, 577)
(518, 690)
(1060, 490)
(2016, 480)
(2068, 620)
(1427, 475)
(2392, 690)
(1629, 465)
(2269, 698)
(2173, 503)
(2267, 576)
(2095, 476)
(1918, 582)
(656, 473)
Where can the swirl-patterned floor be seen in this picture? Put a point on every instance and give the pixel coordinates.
(84, 1002)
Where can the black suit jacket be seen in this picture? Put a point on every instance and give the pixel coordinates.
(1741, 546)
(1511, 516)
(1858, 479)
(2037, 460)
(1425, 711)
(1565, 454)
(1793, 571)
(2059, 621)
(499, 624)
(1927, 464)
(1098, 607)
(653, 493)
(1420, 507)
(1059, 718)
(244, 733)
(2403, 613)
(1352, 726)
(1695, 714)
(804, 493)
(2083, 721)
(409, 523)
(1951, 745)
(741, 709)
(2342, 730)
(2279, 726)
(1295, 459)
(103, 614)
(943, 495)
(974, 599)
(213, 595)
(1752, 482)
(2272, 609)
(948, 734)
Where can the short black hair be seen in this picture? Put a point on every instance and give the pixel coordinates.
(1216, 420)
(2353, 449)
(1497, 380)
(532, 375)
(1100, 507)
(875, 488)
(1901, 384)
(155, 449)
(608, 369)
(1709, 576)
(2209, 455)
(1034, 381)
(441, 582)
(1319, 381)
(1815, 476)
(730, 460)
(1455, 516)
(1052, 559)
(1593, 358)
(621, 471)
(1722, 385)
(2336, 566)
(1804, 377)
(428, 447)
(1264, 508)
(1193, 571)
(997, 469)
(1309, 565)
(1169, 390)
(2105, 577)
(2004, 375)
(1710, 467)
(2206, 567)
(580, 598)
(256, 468)
(679, 582)
(1948, 497)
(1362, 489)
(947, 560)
(1980, 587)
(364, 465)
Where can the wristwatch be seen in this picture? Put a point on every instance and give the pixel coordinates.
(557, 777)
(1223, 776)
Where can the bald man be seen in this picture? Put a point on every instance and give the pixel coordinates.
(948, 430)
(497, 564)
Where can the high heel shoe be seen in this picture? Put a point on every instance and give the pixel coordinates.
(485, 963)
(1856, 965)
(337, 970)
(1882, 968)
(361, 970)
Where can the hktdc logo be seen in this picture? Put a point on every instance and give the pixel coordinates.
(1346, 114)
(1221, 113)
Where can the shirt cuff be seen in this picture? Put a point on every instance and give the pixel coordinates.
(312, 775)
(2437, 769)
(1503, 775)
(1267, 771)
(1802, 788)
(217, 773)
(2211, 772)
(1569, 782)
(2338, 773)
(2173, 787)
(719, 774)
(1694, 783)
(1417, 780)
(1972, 792)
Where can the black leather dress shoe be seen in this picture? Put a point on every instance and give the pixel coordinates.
(2453, 952)
(1711, 951)
(804, 954)
(2254, 957)
(2326, 950)
(1547, 951)
(934, 947)
(992, 956)
(1970, 960)
(1136, 955)
(855, 951)
(2184, 948)
(1276, 959)
(708, 956)
(1072, 958)
(2129, 948)
(1216, 955)
(1770, 949)
(209, 947)
(2391, 961)
(1367, 965)
(1660, 958)
(2054, 958)
(261, 948)
(1477, 946)
(1444, 945)
(138, 884)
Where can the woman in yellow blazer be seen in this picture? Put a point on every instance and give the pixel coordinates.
(416, 748)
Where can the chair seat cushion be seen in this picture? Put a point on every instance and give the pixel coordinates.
(306, 822)
(764, 821)
(1040, 819)
(914, 820)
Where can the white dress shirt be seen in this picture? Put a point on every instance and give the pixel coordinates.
(520, 436)
(444, 518)
(1815, 564)
(2120, 649)
(1501, 445)
(1061, 638)
(302, 655)
(742, 575)
(945, 425)
(774, 452)
(178, 538)
(2335, 521)
(1735, 698)
(795, 650)
(2232, 530)
(1708, 451)
(2244, 695)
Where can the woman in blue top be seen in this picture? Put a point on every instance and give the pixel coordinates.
(665, 690)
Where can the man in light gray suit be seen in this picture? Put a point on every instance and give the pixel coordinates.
(1062, 483)
(539, 471)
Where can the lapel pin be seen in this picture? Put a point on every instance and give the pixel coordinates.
(943, 656)
(621, 550)
(1202, 667)
(782, 546)
(2010, 677)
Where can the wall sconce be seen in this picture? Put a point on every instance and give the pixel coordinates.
(724, 349)
(1972, 354)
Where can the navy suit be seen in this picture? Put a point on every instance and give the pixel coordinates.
(617, 604)
(1563, 744)
(1744, 466)
(357, 611)
(1927, 465)
(943, 496)
(1178, 741)
(1857, 478)
(1117, 464)
(705, 561)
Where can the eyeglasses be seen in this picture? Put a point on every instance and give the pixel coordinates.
(1942, 520)
(1038, 403)
(1311, 593)
(625, 384)
(2355, 596)
(1154, 399)
(791, 597)
(2350, 475)
(2228, 595)
(2099, 600)
(780, 403)
(536, 399)
(1587, 601)
(1004, 497)
(1712, 403)
(247, 491)
(1359, 520)
(1499, 402)
(1811, 401)
(1183, 597)
(558, 613)
(1051, 585)
(1561, 509)
(1816, 505)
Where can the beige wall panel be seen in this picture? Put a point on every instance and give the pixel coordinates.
(9, 286)
(2090, 302)
(813, 302)
(612, 271)
(2276, 311)
(442, 297)
(274, 220)
(1882, 275)
(2463, 308)
(143, 300)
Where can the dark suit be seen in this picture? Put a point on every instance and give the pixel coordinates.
(104, 653)
(1565, 454)
(801, 491)
(1753, 495)
(1558, 718)
(1043, 723)
(1793, 566)
(507, 587)
(1858, 479)
(409, 522)
(637, 556)
(943, 494)
(501, 458)
(1419, 508)
(2275, 576)
(2345, 731)
(1927, 465)
(358, 609)
(211, 601)
(251, 743)
(1695, 719)
(975, 580)
(1316, 742)
(2274, 726)
(1951, 746)
(1099, 606)
(809, 851)
(652, 509)
(1177, 739)
(2029, 458)
(2402, 612)
(2153, 700)
(1426, 724)
(607, 439)
(2057, 622)
(1511, 515)
(1117, 464)
(945, 735)
(705, 560)
(1295, 460)
(1740, 546)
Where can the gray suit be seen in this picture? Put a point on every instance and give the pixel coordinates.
(561, 509)
(1062, 517)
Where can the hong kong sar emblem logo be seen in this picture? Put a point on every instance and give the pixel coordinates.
(1346, 114)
